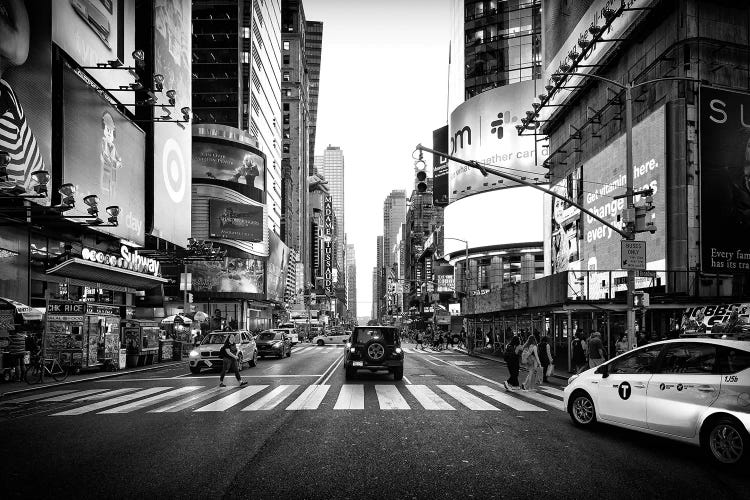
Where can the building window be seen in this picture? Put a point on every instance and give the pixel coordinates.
(287, 59)
(285, 148)
(285, 76)
(287, 133)
(245, 32)
(286, 119)
(245, 57)
(286, 44)
(287, 92)
(286, 106)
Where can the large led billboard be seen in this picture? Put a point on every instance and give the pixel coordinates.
(483, 129)
(172, 142)
(230, 164)
(229, 275)
(104, 155)
(235, 221)
(26, 90)
(725, 181)
(276, 268)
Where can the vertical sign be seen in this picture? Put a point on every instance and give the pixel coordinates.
(328, 245)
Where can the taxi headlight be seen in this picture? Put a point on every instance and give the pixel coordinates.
(194, 354)
(572, 378)
(398, 350)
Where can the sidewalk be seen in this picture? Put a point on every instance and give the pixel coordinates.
(9, 388)
(557, 373)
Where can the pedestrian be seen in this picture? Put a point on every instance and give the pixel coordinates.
(462, 338)
(597, 353)
(449, 340)
(579, 353)
(512, 353)
(621, 346)
(16, 353)
(545, 357)
(420, 340)
(530, 358)
(230, 361)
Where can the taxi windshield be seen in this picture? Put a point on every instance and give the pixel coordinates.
(269, 336)
(215, 338)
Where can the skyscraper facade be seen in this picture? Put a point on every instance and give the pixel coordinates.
(313, 55)
(351, 281)
(394, 214)
(332, 168)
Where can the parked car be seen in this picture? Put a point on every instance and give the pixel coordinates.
(691, 390)
(374, 348)
(206, 354)
(274, 343)
(331, 337)
(290, 332)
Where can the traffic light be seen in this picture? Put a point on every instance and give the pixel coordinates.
(641, 300)
(643, 221)
(421, 169)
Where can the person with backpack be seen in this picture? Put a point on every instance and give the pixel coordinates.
(530, 359)
(545, 356)
(597, 353)
(579, 353)
(420, 340)
(512, 351)
(230, 360)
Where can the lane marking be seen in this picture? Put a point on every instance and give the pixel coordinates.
(335, 363)
(407, 380)
(39, 396)
(390, 399)
(77, 394)
(143, 403)
(191, 400)
(351, 397)
(216, 377)
(111, 402)
(105, 395)
(467, 399)
(505, 398)
(552, 390)
(546, 400)
(236, 397)
(332, 371)
(272, 399)
(310, 399)
(428, 399)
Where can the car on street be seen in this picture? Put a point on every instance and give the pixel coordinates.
(274, 343)
(695, 390)
(331, 337)
(290, 331)
(206, 354)
(374, 348)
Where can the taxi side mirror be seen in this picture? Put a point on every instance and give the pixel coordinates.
(603, 370)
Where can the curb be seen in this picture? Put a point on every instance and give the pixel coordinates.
(502, 362)
(118, 373)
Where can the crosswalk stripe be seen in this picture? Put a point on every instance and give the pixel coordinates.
(236, 397)
(76, 394)
(310, 399)
(105, 395)
(552, 390)
(351, 397)
(191, 400)
(467, 399)
(506, 399)
(390, 399)
(546, 400)
(301, 350)
(272, 399)
(143, 403)
(111, 402)
(39, 396)
(428, 399)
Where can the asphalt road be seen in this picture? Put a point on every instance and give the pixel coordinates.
(299, 430)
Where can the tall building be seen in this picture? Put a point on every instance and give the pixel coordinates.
(378, 295)
(351, 281)
(375, 303)
(236, 75)
(394, 214)
(331, 166)
(313, 55)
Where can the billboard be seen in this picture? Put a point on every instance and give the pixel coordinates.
(566, 226)
(328, 246)
(483, 129)
(725, 181)
(97, 31)
(440, 197)
(604, 179)
(234, 165)
(229, 275)
(104, 155)
(26, 91)
(172, 143)
(235, 221)
(276, 268)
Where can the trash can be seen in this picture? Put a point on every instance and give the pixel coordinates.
(166, 352)
(122, 360)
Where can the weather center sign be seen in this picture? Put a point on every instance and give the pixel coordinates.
(483, 129)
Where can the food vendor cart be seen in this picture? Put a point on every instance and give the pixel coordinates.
(15, 319)
(141, 339)
(182, 329)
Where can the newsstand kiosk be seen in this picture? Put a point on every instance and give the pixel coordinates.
(141, 339)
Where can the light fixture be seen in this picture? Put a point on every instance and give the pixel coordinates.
(583, 42)
(542, 97)
(595, 29)
(139, 55)
(171, 94)
(520, 128)
(536, 106)
(41, 177)
(557, 78)
(574, 54)
(68, 192)
(608, 13)
(158, 82)
(549, 88)
(113, 212)
(185, 113)
(91, 200)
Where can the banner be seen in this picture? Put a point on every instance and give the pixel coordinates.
(235, 221)
(328, 246)
(232, 274)
(725, 181)
(440, 196)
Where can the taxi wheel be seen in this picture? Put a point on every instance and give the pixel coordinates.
(320, 342)
(725, 441)
(581, 409)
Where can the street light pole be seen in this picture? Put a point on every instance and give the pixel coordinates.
(630, 281)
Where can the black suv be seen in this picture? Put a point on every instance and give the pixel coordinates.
(374, 348)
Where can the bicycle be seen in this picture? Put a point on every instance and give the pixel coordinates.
(36, 371)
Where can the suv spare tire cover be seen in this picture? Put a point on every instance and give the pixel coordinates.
(375, 350)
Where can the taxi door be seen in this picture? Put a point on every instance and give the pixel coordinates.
(686, 383)
(622, 393)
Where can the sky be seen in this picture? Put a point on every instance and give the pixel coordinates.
(383, 90)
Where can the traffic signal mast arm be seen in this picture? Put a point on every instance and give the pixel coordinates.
(490, 170)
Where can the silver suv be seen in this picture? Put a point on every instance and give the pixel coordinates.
(206, 354)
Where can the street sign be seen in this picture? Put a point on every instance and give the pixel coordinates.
(633, 254)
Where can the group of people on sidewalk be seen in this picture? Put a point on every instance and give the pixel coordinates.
(535, 356)
(438, 339)
(590, 352)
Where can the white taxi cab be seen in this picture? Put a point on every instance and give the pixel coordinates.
(332, 337)
(691, 390)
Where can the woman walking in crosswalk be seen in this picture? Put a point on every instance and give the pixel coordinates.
(230, 360)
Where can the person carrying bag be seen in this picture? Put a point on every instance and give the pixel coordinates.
(230, 361)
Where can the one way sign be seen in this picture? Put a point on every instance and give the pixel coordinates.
(633, 254)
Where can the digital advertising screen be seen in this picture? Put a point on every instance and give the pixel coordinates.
(276, 267)
(232, 274)
(235, 221)
(230, 163)
(104, 155)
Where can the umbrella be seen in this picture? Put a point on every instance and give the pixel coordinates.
(177, 318)
(25, 312)
(199, 316)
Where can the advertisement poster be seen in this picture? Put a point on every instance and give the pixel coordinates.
(483, 129)
(276, 267)
(26, 92)
(172, 143)
(716, 318)
(725, 181)
(235, 221)
(232, 274)
(222, 161)
(104, 156)
(565, 229)
(97, 31)
(440, 197)
(328, 246)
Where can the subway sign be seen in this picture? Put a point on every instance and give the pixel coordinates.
(328, 246)
(128, 259)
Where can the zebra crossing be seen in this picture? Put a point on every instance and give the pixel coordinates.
(290, 397)
(308, 349)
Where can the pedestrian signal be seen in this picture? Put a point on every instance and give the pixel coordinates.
(421, 181)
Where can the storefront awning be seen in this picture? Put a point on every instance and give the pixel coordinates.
(101, 273)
